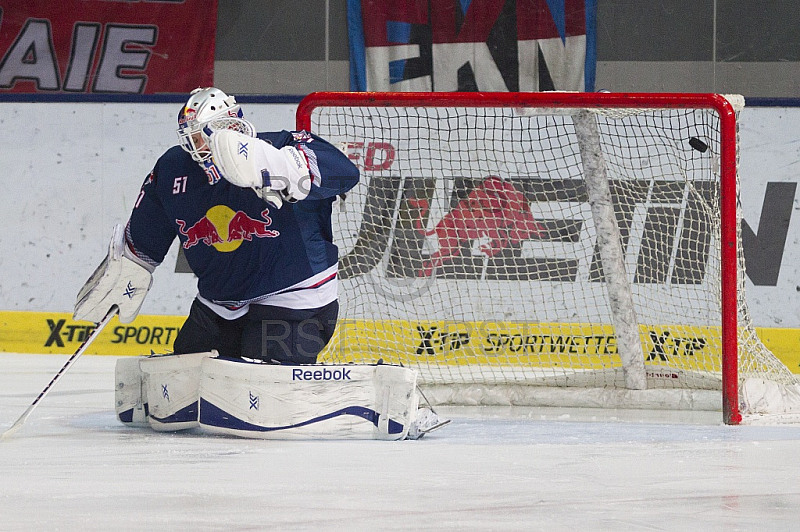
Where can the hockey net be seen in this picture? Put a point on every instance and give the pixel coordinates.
(549, 249)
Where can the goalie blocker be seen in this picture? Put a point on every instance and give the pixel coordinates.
(122, 279)
(257, 400)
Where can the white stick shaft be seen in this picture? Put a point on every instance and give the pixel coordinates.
(89, 339)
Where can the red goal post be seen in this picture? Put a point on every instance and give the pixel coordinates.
(353, 117)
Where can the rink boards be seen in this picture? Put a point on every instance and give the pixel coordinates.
(436, 342)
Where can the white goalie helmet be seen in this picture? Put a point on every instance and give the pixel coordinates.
(208, 107)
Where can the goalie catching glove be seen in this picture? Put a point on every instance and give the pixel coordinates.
(122, 279)
(277, 175)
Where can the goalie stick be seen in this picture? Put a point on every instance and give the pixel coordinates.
(89, 339)
(441, 422)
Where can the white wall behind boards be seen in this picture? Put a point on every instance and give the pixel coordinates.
(769, 172)
(72, 170)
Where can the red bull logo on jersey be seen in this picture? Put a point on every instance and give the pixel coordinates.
(302, 136)
(225, 229)
(495, 214)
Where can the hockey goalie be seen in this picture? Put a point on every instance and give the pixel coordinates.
(252, 212)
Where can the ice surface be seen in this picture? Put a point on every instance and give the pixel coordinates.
(73, 466)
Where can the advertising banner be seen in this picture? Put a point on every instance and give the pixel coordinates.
(58, 333)
(107, 46)
(472, 45)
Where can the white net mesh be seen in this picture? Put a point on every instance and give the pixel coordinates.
(469, 250)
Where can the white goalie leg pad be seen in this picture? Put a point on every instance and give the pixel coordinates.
(130, 399)
(171, 384)
(268, 401)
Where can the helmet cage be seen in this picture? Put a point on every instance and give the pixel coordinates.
(213, 109)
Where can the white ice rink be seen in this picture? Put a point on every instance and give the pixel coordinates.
(73, 466)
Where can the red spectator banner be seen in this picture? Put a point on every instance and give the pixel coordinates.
(472, 45)
(107, 46)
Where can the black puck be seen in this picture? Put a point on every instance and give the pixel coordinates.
(698, 144)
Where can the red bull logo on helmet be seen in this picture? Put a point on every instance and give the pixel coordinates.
(225, 229)
(187, 115)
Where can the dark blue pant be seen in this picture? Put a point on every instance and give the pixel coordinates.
(285, 336)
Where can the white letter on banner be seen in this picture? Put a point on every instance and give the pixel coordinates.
(32, 57)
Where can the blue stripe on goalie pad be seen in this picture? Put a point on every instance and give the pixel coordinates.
(126, 416)
(212, 415)
(315, 401)
(186, 414)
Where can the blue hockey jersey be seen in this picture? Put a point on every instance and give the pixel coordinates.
(241, 248)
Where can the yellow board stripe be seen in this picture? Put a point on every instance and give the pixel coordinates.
(586, 346)
(439, 342)
(57, 332)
